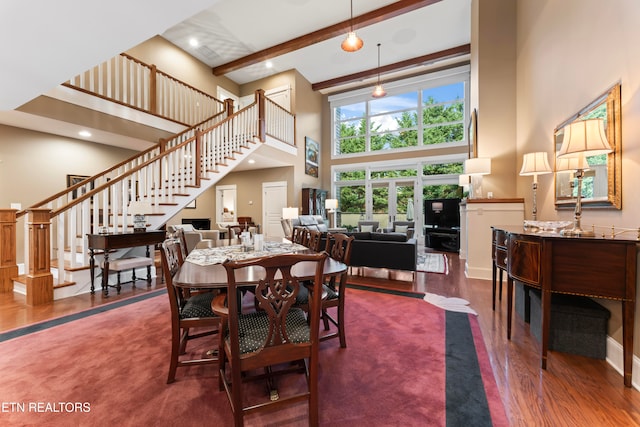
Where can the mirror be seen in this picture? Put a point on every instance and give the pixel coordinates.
(602, 183)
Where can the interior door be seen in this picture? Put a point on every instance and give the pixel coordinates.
(274, 198)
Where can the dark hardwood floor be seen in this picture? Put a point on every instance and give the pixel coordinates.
(573, 391)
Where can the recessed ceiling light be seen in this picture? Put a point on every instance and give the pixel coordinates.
(251, 161)
(269, 64)
(193, 41)
(84, 133)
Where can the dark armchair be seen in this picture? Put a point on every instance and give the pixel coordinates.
(372, 226)
(403, 227)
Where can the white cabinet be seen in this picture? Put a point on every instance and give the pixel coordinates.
(476, 218)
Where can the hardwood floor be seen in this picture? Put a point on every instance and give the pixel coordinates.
(573, 391)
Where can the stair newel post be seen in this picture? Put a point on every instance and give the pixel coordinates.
(153, 90)
(157, 187)
(260, 98)
(198, 157)
(8, 245)
(39, 277)
(228, 106)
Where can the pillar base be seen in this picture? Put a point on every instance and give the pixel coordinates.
(6, 278)
(39, 289)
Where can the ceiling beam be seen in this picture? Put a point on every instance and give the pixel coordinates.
(387, 12)
(464, 49)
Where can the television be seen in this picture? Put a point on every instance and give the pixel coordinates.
(443, 213)
(198, 223)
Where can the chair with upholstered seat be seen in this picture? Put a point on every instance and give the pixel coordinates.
(277, 338)
(192, 238)
(407, 227)
(187, 311)
(300, 235)
(338, 246)
(314, 240)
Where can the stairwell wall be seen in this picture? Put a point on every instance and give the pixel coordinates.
(35, 165)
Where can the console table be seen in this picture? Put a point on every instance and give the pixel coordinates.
(104, 243)
(593, 267)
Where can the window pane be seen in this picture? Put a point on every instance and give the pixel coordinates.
(351, 137)
(440, 134)
(443, 169)
(445, 191)
(350, 175)
(351, 145)
(394, 121)
(380, 200)
(394, 140)
(353, 111)
(351, 200)
(444, 93)
(443, 113)
(393, 173)
(394, 103)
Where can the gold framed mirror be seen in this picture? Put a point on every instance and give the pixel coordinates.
(602, 182)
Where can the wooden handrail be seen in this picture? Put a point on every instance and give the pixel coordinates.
(119, 178)
(84, 182)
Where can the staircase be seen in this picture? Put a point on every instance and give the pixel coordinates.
(158, 182)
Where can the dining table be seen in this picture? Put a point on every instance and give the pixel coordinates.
(203, 268)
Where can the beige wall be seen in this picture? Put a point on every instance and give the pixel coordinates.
(493, 91)
(35, 165)
(306, 104)
(179, 64)
(569, 52)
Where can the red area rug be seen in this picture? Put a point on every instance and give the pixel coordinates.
(110, 369)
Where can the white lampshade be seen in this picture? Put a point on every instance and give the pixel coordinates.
(289, 213)
(535, 164)
(584, 136)
(331, 204)
(477, 166)
(579, 161)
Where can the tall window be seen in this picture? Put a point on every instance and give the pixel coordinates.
(416, 113)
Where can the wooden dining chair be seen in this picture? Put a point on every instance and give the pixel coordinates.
(338, 246)
(187, 311)
(274, 336)
(314, 239)
(300, 235)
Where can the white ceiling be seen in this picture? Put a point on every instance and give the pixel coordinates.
(45, 43)
(232, 29)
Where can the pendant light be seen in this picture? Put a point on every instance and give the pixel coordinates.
(352, 43)
(378, 91)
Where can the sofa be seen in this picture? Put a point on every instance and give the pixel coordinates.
(312, 222)
(382, 250)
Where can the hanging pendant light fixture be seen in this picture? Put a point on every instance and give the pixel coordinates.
(378, 91)
(352, 43)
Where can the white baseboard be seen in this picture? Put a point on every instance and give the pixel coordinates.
(615, 359)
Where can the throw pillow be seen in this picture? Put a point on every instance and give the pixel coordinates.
(401, 228)
(366, 228)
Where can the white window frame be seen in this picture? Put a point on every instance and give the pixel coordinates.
(418, 83)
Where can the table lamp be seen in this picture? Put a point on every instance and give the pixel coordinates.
(288, 214)
(463, 181)
(476, 168)
(534, 164)
(331, 205)
(581, 138)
